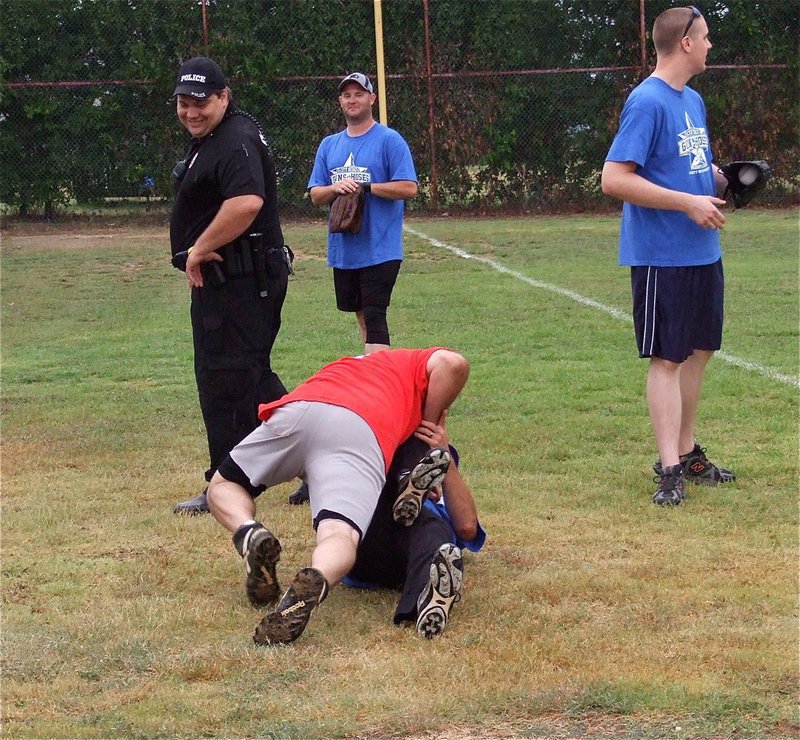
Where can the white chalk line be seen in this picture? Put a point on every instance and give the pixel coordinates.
(767, 372)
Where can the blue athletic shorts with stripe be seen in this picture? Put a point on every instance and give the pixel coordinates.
(677, 310)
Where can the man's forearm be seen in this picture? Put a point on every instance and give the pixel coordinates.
(395, 189)
(460, 505)
(620, 180)
(635, 189)
(233, 218)
(321, 195)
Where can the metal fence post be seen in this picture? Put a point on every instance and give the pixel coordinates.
(205, 26)
(431, 110)
(642, 40)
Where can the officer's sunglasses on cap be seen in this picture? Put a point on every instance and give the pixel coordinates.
(695, 14)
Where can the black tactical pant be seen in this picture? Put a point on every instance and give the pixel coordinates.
(393, 556)
(234, 330)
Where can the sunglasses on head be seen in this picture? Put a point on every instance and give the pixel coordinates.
(695, 14)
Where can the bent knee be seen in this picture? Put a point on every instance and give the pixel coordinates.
(339, 529)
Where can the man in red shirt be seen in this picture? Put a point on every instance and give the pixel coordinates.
(338, 431)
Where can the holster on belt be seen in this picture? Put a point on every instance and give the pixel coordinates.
(248, 255)
(209, 269)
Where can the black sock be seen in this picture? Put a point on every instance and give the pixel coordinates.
(240, 535)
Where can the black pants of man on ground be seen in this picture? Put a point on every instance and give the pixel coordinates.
(397, 557)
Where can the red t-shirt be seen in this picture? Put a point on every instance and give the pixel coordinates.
(386, 389)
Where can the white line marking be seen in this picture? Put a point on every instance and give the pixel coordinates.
(767, 372)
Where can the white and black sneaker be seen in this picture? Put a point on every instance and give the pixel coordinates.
(291, 616)
(261, 551)
(443, 590)
(416, 484)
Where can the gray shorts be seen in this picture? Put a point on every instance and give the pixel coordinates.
(332, 448)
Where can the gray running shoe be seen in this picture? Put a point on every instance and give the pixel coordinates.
(671, 489)
(416, 485)
(443, 590)
(699, 469)
(291, 616)
(262, 551)
(193, 506)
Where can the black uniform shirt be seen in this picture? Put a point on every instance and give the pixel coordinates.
(232, 160)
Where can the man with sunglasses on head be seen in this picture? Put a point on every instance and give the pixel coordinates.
(661, 165)
(226, 234)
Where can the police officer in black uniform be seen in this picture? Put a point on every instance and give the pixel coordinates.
(226, 234)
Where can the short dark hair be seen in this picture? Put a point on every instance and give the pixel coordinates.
(668, 29)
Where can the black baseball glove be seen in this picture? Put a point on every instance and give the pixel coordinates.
(347, 212)
(745, 180)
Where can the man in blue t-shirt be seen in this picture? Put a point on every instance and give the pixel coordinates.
(661, 165)
(370, 156)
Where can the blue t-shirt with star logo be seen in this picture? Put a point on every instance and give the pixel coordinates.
(379, 155)
(664, 132)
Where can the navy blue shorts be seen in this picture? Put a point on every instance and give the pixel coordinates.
(365, 286)
(677, 310)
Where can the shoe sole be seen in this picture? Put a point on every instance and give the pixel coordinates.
(286, 625)
(701, 480)
(679, 502)
(262, 557)
(191, 510)
(444, 589)
(427, 473)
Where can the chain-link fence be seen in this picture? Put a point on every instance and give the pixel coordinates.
(506, 104)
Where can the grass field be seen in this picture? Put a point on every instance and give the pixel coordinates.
(590, 612)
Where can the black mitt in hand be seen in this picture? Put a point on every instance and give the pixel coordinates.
(745, 180)
(347, 213)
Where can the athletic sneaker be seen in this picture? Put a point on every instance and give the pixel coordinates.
(193, 506)
(699, 469)
(671, 489)
(261, 552)
(443, 590)
(300, 495)
(416, 484)
(291, 616)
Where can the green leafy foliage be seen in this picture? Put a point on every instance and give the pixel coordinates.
(514, 119)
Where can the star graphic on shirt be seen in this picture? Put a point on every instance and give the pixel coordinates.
(350, 171)
(693, 143)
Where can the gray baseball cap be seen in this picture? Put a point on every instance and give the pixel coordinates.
(360, 79)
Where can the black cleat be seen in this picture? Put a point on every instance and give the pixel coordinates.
(416, 485)
(443, 590)
(262, 551)
(291, 616)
